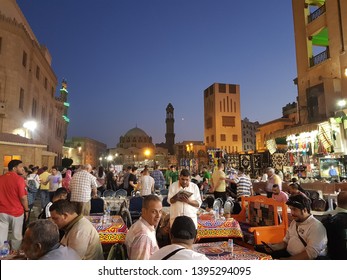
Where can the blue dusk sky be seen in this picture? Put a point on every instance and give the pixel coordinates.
(125, 60)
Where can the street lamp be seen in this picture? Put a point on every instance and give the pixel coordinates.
(109, 158)
(29, 126)
(100, 158)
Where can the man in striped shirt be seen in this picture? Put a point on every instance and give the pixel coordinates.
(244, 184)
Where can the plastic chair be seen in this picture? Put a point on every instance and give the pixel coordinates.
(164, 192)
(165, 203)
(135, 207)
(109, 193)
(97, 206)
(126, 216)
(121, 192)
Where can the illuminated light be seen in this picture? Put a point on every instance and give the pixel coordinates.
(30, 125)
(109, 158)
(66, 118)
(346, 72)
(64, 89)
(341, 103)
(67, 104)
(147, 152)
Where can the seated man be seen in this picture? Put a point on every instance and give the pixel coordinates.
(306, 237)
(141, 239)
(278, 195)
(41, 242)
(183, 234)
(80, 234)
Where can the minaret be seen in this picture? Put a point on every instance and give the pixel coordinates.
(63, 98)
(170, 135)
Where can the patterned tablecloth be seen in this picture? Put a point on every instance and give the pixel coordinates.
(112, 232)
(228, 228)
(219, 251)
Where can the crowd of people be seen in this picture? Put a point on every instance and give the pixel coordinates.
(62, 231)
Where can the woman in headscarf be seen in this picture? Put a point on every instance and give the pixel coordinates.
(66, 180)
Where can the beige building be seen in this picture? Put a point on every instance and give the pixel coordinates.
(27, 86)
(135, 147)
(320, 28)
(83, 150)
(222, 117)
(27, 150)
(249, 130)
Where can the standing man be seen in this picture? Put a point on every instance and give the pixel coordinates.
(244, 184)
(159, 180)
(82, 184)
(13, 203)
(44, 188)
(54, 181)
(141, 239)
(219, 182)
(184, 198)
(272, 179)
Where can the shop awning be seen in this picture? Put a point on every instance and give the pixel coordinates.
(292, 130)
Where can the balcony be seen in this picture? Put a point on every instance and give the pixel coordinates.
(316, 14)
(319, 58)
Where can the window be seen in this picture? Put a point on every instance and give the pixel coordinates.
(207, 140)
(52, 91)
(24, 59)
(8, 158)
(223, 137)
(222, 88)
(232, 88)
(0, 44)
(21, 99)
(212, 138)
(46, 83)
(235, 137)
(33, 108)
(208, 123)
(43, 114)
(38, 72)
(228, 121)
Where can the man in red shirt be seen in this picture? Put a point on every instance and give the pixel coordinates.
(13, 203)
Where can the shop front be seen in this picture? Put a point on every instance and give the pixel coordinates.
(310, 151)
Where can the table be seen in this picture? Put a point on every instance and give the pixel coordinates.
(113, 232)
(211, 228)
(218, 251)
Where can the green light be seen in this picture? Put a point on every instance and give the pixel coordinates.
(66, 118)
(67, 104)
(64, 89)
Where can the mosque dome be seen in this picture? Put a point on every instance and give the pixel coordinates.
(135, 137)
(136, 132)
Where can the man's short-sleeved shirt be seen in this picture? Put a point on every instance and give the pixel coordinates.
(12, 188)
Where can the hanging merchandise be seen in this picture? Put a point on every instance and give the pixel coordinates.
(271, 146)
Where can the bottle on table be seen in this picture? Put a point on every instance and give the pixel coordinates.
(231, 246)
(221, 213)
(216, 212)
(5, 249)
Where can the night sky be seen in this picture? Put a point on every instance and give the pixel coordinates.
(125, 60)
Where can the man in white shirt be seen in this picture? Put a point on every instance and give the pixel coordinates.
(141, 239)
(306, 237)
(182, 235)
(184, 203)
